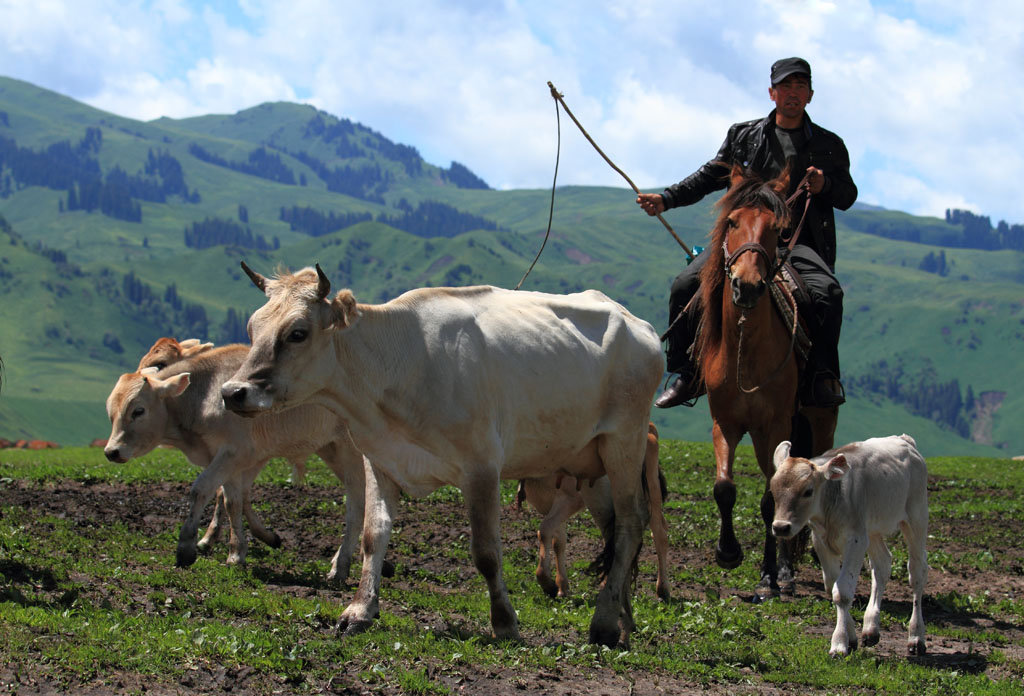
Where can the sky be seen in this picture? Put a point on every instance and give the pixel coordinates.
(927, 96)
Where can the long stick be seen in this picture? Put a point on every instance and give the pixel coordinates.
(558, 97)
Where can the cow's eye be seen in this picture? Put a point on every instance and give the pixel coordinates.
(297, 336)
(808, 493)
(138, 412)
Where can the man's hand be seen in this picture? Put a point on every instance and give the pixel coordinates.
(652, 203)
(815, 179)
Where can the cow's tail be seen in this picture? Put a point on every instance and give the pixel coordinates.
(520, 494)
(601, 566)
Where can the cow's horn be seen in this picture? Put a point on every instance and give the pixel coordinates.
(324, 286)
(257, 280)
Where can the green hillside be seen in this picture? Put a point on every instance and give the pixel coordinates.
(85, 291)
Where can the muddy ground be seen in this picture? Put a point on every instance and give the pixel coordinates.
(425, 526)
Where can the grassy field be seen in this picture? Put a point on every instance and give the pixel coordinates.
(90, 600)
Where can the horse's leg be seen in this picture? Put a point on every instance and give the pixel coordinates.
(728, 553)
(777, 564)
(769, 584)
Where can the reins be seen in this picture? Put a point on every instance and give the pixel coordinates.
(559, 99)
(778, 289)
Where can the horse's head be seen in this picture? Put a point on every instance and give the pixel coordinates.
(753, 215)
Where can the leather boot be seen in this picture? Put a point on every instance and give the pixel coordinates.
(684, 390)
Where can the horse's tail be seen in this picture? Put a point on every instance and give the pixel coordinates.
(520, 494)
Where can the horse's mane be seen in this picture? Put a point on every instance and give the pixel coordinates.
(749, 190)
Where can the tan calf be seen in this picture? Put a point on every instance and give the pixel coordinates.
(558, 499)
(181, 406)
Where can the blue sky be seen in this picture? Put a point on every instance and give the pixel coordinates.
(927, 95)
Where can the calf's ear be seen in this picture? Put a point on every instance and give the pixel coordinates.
(344, 309)
(837, 467)
(781, 453)
(172, 386)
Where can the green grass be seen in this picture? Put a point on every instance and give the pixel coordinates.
(79, 601)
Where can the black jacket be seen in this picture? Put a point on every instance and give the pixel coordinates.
(751, 144)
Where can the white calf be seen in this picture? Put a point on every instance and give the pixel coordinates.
(852, 497)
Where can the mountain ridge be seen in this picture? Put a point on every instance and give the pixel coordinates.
(598, 239)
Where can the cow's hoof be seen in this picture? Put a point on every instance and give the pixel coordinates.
(869, 639)
(352, 627)
(185, 557)
(916, 647)
(728, 559)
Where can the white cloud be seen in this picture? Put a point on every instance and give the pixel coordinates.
(933, 87)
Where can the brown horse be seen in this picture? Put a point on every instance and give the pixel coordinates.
(747, 362)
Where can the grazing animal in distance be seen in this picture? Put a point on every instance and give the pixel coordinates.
(746, 359)
(853, 497)
(466, 387)
(558, 499)
(181, 406)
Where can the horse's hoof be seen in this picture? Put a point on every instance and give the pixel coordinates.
(387, 570)
(787, 588)
(728, 560)
(275, 541)
(549, 586)
(869, 639)
(916, 647)
(185, 557)
(609, 639)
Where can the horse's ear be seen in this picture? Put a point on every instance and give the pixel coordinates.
(781, 182)
(736, 175)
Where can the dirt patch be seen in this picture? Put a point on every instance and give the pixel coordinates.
(424, 528)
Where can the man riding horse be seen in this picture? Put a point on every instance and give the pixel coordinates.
(787, 136)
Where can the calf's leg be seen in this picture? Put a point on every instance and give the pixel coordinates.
(552, 536)
(881, 569)
(381, 505)
(347, 464)
(844, 638)
(203, 489)
(659, 527)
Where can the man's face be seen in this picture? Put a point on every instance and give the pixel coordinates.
(792, 95)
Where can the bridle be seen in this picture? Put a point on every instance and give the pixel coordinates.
(781, 258)
(758, 248)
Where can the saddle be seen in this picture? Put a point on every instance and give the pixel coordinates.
(788, 292)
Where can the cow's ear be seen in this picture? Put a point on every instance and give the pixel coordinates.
(781, 453)
(172, 386)
(344, 309)
(837, 467)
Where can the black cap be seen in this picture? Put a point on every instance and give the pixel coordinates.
(781, 69)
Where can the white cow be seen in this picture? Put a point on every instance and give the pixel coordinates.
(558, 498)
(181, 406)
(465, 387)
(853, 497)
